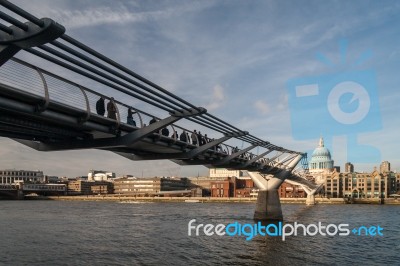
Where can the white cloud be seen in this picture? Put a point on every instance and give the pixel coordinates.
(262, 107)
(217, 98)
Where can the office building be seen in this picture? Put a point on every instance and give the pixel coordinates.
(100, 175)
(149, 186)
(222, 172)
(82, 187)
(12, 176)
(385, 167)
(349, 168)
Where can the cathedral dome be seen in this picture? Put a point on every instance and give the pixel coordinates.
(322, 152)
(321, 158)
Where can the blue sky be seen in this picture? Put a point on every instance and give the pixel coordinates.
(234, 58)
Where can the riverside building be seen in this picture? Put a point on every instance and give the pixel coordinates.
(83, 187)
(149, 186)
(12, 176)
(361, 185)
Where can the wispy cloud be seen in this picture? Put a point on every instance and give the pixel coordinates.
(118, 14)
(262, 107)
(217, 98)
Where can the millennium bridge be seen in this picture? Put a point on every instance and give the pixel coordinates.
(48, 112)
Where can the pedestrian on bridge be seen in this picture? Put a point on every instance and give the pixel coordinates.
(111, 109)
(100, 106)
(129, 118)
(194, 137)
(165, 132)
(200, 138)
(183, 136)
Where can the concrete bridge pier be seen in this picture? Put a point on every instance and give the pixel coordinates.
(310, 199)
(311, 194)
(20, 194)
(268, 206)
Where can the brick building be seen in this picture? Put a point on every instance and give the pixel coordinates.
(81, 187)
(287, 190)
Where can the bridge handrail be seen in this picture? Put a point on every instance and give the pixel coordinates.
(226, 148)
(84, 91)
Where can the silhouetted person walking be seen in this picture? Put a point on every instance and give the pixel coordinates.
(100, 106)
(129, 118)
(165, 132)
(183, 136)
(194, 137)
(200, 138)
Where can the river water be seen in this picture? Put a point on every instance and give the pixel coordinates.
(112, 233)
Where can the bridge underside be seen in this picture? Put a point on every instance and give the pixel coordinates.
(60, 127)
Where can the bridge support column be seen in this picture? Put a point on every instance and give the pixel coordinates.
(311, 194)
(268, 206)
(310, 199)
(20, 194)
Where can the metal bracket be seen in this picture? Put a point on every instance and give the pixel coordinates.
(43, 107)
(235, 155)
(10, 44)
(209, 145)
(87, 116)
(287, 160)
(156, 156)
(141, 133)
(256, 158)
(189, 113)
(271, 159)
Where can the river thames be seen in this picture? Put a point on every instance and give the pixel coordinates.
(112, 233)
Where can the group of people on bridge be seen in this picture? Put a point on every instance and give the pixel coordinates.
(112, 110)
(196, 138)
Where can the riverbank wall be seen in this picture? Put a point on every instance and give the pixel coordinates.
(124, 198)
